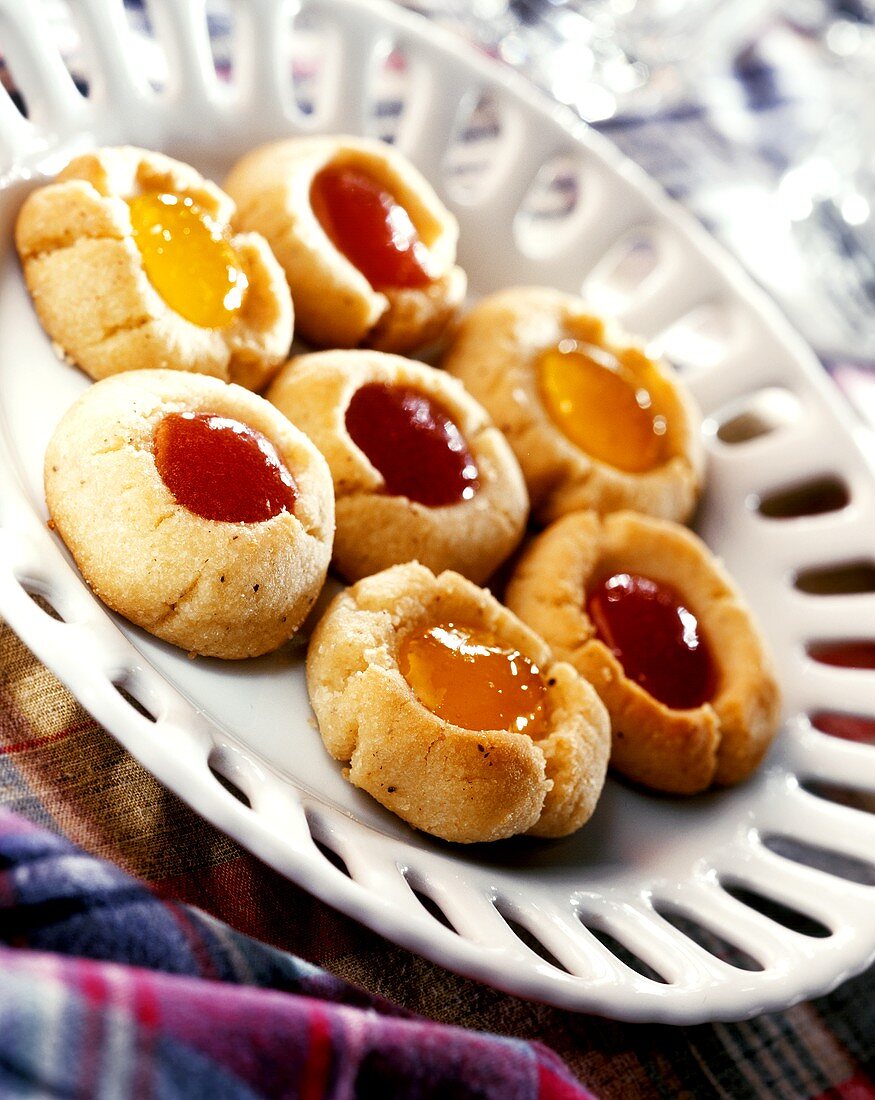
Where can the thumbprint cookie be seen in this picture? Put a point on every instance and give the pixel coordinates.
(594, 421)
(193, 508)
(368, 248)
(131, 264)
(453, 714)
(420, 472)
(642, 609)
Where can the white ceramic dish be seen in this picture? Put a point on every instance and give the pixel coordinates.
(641, 857)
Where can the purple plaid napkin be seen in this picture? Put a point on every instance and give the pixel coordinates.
(108, 991)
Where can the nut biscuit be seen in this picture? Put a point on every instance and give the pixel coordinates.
(374, 529)
(220, 589)
(495, 353)
(86, 276)
(460, 784)
(335, 305)
(681, 751)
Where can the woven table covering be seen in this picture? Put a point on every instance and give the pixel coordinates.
(61, 771)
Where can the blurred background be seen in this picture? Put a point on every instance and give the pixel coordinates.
(757, 115)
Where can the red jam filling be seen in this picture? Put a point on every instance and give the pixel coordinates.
(221, 469)
(414, 445)
(655, 638)
(370, 227)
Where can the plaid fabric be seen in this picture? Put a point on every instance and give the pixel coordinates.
(75, 1023)
(61, 770)
(82, 1025)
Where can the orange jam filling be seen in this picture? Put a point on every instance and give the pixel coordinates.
(188, 259)
(221, 469)
(602, 406)
(466, 676)
(365, 222)
(655, 638)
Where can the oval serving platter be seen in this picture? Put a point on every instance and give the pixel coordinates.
(657, 909)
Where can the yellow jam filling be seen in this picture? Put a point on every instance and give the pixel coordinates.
(469, 678)
(603, 407)
(188, 259)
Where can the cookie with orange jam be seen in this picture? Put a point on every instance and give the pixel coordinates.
(131, 264)
(420, 472)
(642, 609)
(595, 422)
(453, 714)
(368, 248)
(193, 508)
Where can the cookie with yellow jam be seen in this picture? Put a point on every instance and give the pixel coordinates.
(193, 508)
(420, 472)
(642, 609)
(594, 421)
(131, 264)
(453, 714)
(368, 248)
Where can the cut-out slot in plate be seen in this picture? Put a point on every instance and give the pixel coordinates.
(701, 338)
(547, 208)
(231, 772)
(847, 727)
(65, 35)
(708, 938)
(851, 797)
(812, 497)
(122, 686)
(55, 600)
(529, 939)
(313, 52)
(756, 416)
(843, 579)
(431, 906)
(622, 273)
(777, 911)
(230, 787)
(44, 602)
(624, 955)
(10, 86)
(821, 859)
(221, 25)
(854, 653)
(390, 87)
(147, 45)
(473, 156)
(334, 858)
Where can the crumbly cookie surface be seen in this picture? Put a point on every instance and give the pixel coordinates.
(374, 529)
(85, 274)
(681, 751)
(495, 354)
(335, 305)
(215, 588)
(459, 784)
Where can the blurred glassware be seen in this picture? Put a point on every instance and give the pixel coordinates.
(608, 58)
(829, 195)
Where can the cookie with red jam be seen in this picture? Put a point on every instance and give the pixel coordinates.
(649, 616)
(420, 472)
(193, 508)
(368, 248)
